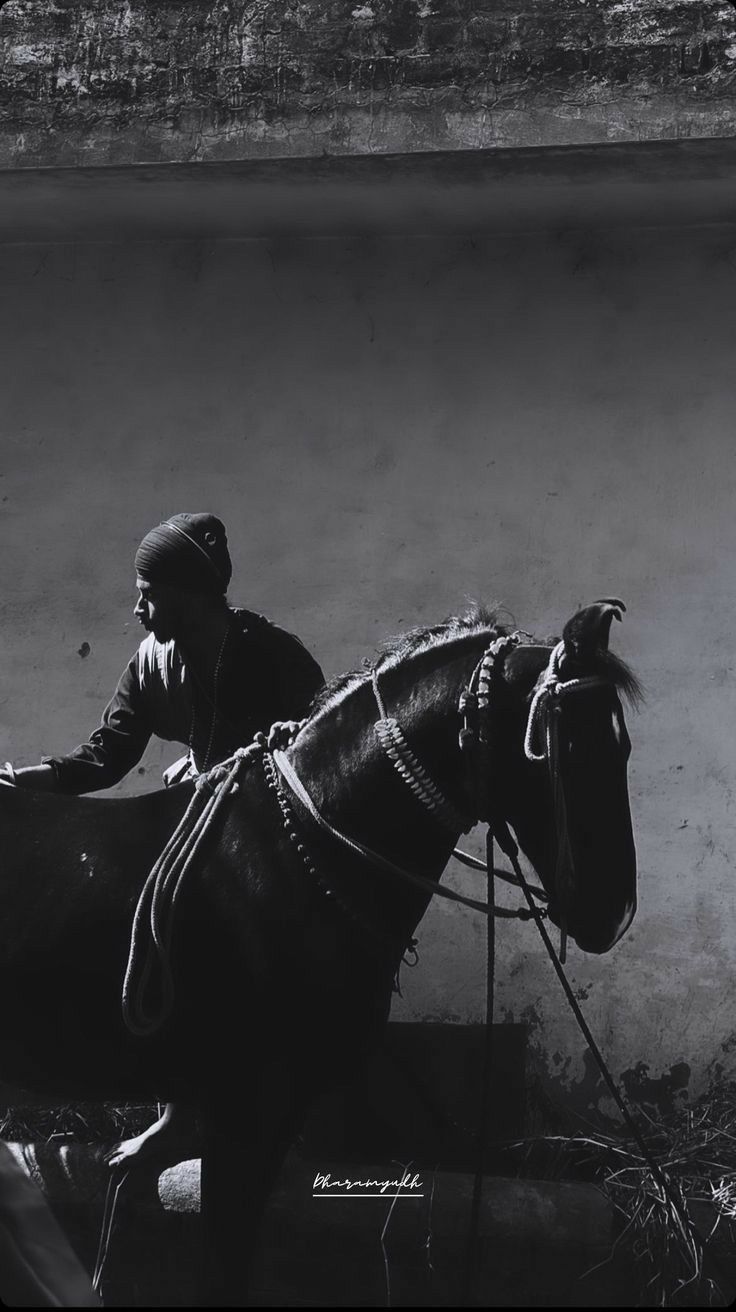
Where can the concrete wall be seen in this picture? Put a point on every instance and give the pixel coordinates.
(124, 81)
(388, 426)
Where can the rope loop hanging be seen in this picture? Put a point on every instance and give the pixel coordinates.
(149, 968)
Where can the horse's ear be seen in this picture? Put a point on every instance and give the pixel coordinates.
(588, 631)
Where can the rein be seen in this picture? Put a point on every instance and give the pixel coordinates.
(158, 900)
(290, 777)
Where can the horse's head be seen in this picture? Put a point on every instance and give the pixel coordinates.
(565, 793)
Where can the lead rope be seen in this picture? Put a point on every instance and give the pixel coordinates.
(482, 1136)
(564, 857)
(700, 1245)
(157, 904)
(551, 686)
(159, 898)
(108, 1220)
(481, 680)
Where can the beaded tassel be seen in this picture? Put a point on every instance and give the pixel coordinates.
(289, 823)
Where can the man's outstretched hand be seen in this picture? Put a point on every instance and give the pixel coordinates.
(37, 778)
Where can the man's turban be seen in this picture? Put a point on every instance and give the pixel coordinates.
(187, 551)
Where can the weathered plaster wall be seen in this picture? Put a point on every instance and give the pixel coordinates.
(386, 427)
(109, 81)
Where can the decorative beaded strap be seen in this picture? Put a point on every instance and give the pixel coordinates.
(397, 749)
(287, 771)
(293, 829)
(495, 654)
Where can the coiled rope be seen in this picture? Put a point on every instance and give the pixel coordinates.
(149, 960)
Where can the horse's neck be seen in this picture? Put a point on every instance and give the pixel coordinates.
(352, 782)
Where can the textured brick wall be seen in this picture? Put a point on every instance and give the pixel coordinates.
(105, 81)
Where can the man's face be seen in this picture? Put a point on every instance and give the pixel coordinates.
(158, 609)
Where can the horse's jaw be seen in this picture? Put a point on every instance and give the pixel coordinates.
(600, 940)
(603, 901)
(598, 917)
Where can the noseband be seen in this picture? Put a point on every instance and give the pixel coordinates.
(542, 744)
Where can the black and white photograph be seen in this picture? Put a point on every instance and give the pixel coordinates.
(367, 653)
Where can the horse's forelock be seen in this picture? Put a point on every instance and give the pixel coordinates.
(614, 670)
(617, 672)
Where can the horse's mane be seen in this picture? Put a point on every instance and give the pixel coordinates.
(478, 618)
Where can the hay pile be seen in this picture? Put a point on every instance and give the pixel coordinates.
(680, 1260)
(77, 1122)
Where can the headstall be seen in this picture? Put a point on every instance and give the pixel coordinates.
(541, 744)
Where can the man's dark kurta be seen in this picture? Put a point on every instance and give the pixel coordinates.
(266, 675)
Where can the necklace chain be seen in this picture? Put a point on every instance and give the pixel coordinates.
(215, 683)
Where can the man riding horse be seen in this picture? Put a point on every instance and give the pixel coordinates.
(208, 676)
(296, 896)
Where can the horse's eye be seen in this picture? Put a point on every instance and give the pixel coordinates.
(620, 733)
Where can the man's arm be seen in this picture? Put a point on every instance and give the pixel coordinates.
(39, 778)
(112, 750)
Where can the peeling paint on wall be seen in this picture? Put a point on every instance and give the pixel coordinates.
(663, 1093)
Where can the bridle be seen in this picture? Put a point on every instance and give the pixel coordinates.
(541, 744)
(424, 788)
(475, 740)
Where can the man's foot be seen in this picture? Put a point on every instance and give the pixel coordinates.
(172, 1138)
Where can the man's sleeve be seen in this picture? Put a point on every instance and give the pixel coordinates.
(115, 747)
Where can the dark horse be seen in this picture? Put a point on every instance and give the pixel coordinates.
(286, 941)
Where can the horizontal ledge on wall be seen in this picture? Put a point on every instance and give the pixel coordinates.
(456, 192)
